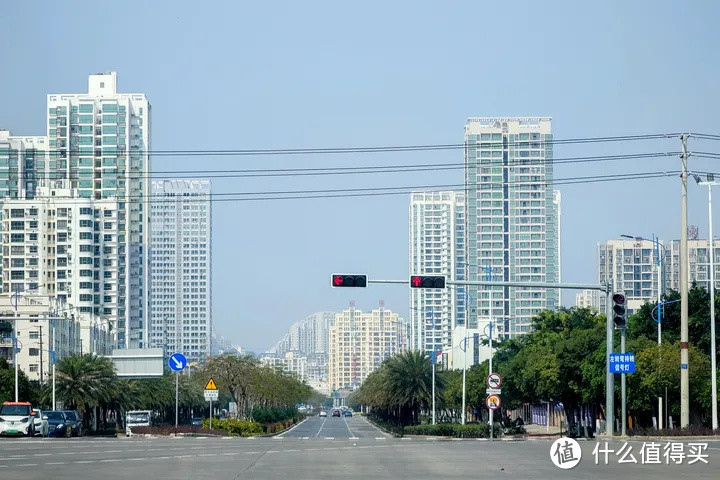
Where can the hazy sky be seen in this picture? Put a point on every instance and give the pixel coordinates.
(244, 75)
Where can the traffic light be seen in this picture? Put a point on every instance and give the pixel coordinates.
(348, 280)
(619, 310)
(419, 281)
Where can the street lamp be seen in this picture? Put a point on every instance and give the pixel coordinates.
(709, 182)
(659, 263)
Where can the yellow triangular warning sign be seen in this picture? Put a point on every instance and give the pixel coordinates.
(211, 385)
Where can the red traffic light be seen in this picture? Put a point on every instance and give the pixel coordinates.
(420, 281)
(348, 280)
(618, 298)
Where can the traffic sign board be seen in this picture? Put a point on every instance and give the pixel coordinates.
(211, 395)
(622, 362)
(211, 385)
(491, 391)
(493, 402)
(177, 362)
(494, 380)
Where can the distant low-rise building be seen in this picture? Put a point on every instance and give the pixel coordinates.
(588, 299)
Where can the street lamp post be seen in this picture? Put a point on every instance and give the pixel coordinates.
(713, 354)
(659, 264)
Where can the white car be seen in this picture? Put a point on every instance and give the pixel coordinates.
(40, 424)
(16, 418)
(323, 413)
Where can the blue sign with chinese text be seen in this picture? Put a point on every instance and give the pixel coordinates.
(622, 362)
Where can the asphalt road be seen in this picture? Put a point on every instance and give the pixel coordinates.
(317, 458)
(331, 428)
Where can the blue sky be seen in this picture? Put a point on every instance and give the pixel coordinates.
(320, 74)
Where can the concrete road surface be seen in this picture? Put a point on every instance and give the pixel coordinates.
(335, 428)
(370, 457)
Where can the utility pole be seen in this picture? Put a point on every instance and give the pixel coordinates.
(15, 345)
(684, 357)
(41, 356)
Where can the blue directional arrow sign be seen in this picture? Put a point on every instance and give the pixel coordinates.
(177, 362)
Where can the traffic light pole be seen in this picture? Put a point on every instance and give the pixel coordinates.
(622, 385)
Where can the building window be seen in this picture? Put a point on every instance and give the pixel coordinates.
(34, 335)
(33, 352)
(34, 367)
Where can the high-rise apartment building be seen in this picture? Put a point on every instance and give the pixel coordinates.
(92, 166)
(437, 247)
(512, 219)
(180, 255)
(360, 342)
(699, 260)
(630, 266)
(588, 299)
(99, 145)
(58, 245)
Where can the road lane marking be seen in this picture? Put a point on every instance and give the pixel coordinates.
(295, 426)
(348, 427)
(380, 438)
(321, 427)
(277, 438)
(329, 438)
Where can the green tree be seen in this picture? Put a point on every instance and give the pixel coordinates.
(84, 382)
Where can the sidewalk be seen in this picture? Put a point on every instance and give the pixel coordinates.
(541, 431)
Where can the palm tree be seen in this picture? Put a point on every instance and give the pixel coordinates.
(85, 381)
(409, 382)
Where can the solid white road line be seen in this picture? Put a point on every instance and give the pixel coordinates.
(321, 427)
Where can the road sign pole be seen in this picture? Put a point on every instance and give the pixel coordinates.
(177, 390)
(211, 415)
(433, 386)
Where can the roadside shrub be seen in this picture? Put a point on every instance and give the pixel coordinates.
(167, 430)
(456, 430)
(234, 427)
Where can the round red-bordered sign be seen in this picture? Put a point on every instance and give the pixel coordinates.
(493, 401)
(494, 380)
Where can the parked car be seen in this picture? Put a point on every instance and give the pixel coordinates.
(40, 424)
(75, 422)
(336, 413)
(323, 413)
(58, 424)
(196, 422)
(16, 418)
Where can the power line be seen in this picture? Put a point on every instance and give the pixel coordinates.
(361, 170)
(369, 191)
(377, 149)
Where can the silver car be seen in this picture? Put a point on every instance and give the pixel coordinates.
(40, 423)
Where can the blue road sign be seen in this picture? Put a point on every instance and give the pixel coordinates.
(622, 362)
(177, 362)
(52, 357)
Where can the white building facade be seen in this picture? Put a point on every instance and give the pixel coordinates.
(699, 260)
(181, 259)
(62, 246)
(630, 267)
(99, 142)
(588, 299)
(437, 247)
(512, 219)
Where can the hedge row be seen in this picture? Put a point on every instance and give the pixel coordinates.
(480, 430)
(233, 427)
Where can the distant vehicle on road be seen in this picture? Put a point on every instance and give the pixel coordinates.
(16, 418)
(58, 424)
(75, 422)
(336, 413)
(138, 418)
(196, 422)
(323, 413)
(40, 424)
(347, 413)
